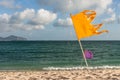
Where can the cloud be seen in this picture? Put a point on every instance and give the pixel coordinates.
(72, 5)
(27, 14)
(112, 18)
(29, 19)
(63, 22)
(18, 17)
(110, 10)
(9, 4)
(43, 17)
(4, 20)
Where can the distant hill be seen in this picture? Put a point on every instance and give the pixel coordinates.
(12, 38)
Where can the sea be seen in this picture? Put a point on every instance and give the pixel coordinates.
(39, 55)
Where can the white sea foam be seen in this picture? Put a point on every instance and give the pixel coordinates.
(80, 67)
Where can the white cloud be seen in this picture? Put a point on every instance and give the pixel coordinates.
(4, 20)
(112, 18)
(25, 15)
(72, 5)
(44, 17)
(28, 13)
(110, 10)
(28, 19)
(27, 27)
(63, 22)
(9, 4)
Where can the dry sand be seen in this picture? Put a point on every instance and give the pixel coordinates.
(93, 74)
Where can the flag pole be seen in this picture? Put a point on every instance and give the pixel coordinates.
(83, 53)
(81, 48)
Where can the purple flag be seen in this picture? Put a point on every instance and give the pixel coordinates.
(88, 54)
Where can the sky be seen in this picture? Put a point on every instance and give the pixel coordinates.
(50, 19)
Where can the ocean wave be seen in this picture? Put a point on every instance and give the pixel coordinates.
(81, 67)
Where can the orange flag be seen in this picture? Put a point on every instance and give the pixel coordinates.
(82, 24)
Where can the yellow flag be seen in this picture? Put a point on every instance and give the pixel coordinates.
(82, 24)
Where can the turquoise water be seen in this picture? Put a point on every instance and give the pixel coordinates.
(39, 54)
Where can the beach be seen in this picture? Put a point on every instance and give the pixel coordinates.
(83, 74)
(45, 60)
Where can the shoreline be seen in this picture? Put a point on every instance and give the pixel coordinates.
(81, 67)
(52, 68)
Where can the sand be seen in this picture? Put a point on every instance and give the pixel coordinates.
(92, 74)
